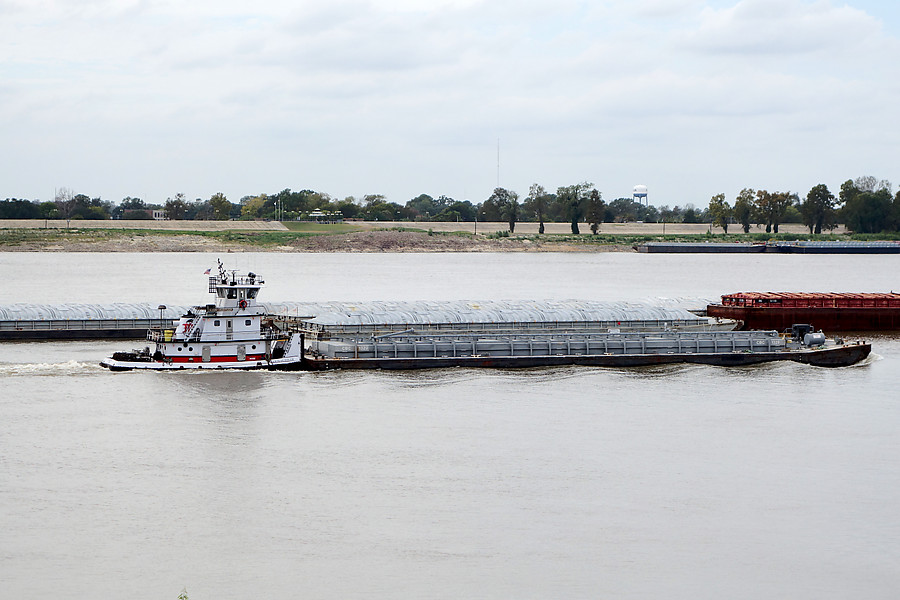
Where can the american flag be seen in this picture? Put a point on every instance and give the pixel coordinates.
(206, 272)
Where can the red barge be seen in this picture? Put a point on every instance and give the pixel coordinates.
(825, 311)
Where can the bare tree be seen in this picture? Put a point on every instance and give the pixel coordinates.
(65, 204)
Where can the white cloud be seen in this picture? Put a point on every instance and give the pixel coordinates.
(782, 27)
(153, 98)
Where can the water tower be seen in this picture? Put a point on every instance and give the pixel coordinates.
(640, 194)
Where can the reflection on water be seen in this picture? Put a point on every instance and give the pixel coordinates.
(235, 385)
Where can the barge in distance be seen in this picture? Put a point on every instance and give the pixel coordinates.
(799, 247)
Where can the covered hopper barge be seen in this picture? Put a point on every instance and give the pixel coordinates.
(543, 334)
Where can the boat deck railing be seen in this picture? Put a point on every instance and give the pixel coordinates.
(167, 335)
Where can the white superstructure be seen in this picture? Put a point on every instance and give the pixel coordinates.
(231, 333)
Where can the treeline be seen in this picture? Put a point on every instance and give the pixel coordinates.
(864, 205)
(71, 206)
(568, 204)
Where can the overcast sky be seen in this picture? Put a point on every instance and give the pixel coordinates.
(403, 97)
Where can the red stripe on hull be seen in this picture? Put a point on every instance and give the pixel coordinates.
(215, 359)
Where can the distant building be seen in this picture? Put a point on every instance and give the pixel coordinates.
(327, 216)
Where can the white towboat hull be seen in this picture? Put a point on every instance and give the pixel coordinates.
(281, 364)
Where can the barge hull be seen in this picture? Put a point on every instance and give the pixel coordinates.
(827, 319)
(22, 335)
(840, 356)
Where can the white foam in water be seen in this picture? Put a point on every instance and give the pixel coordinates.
(71, 367)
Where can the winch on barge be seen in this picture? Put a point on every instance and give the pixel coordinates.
(232, 333)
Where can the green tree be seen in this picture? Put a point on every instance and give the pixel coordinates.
(348, 207)
(895, 216)
(624, 210)
(818, 210)
(867, 205)
(48, 210)
(19, 209)
(422, 207)
(743, 208)
(771, 208)
(574, 198)
(128, 207)
(536, 203)
(507, 203)
(720, 212)
(869, 212)
(490, 210)
(377, 208)
(176, 207)
(251, 208)
(690, 214)
(596, 211)
(783, 201)
(221, 207)
(457, 211)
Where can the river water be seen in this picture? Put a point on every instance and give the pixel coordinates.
(774, 481)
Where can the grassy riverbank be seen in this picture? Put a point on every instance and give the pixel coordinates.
(348, 237)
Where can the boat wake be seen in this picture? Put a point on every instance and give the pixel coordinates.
(870, 359)
(72, 367)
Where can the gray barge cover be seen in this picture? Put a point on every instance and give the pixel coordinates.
(488, 311)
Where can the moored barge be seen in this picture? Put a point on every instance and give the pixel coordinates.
(834, 312)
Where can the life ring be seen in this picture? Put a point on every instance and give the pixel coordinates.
(242, 304)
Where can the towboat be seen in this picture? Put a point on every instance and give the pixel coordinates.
(235, 332)
(231, 333)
